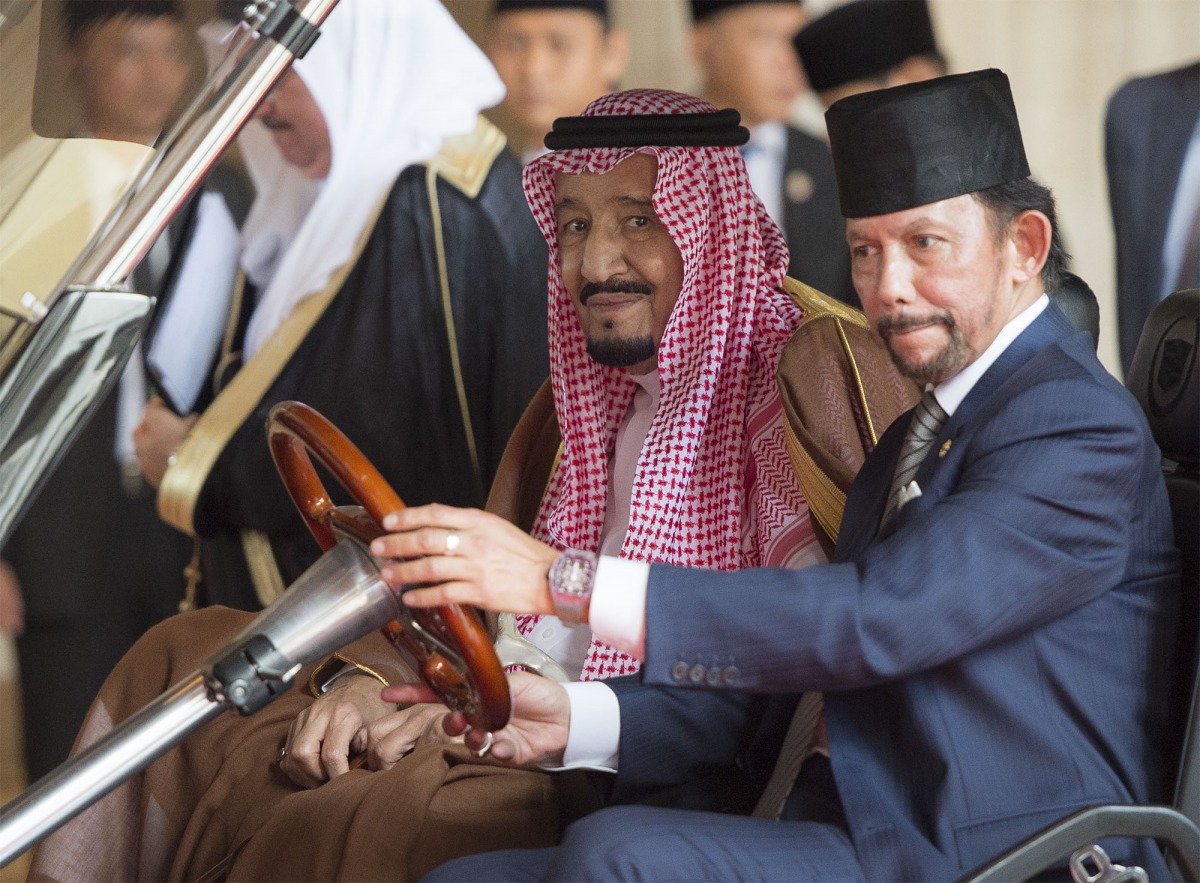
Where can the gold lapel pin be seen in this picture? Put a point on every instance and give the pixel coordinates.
(945, 447)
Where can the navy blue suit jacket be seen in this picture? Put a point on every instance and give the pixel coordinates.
(1146, 133)
(813, 222)
(994, 659)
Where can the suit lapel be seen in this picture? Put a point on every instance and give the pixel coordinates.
(1050, 326)
(1172, 133)
(868, 495)
(868, 498)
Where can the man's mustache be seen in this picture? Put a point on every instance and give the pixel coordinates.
(614, 286)
(275, 125)
(888, 324)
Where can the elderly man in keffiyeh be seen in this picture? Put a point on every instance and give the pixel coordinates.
(663, 435)
(683, 455)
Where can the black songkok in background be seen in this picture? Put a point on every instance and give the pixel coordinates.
(894, 149)
(702, 9)
(599, 7)
(864, 39)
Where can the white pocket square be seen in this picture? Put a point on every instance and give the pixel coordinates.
(908, 493)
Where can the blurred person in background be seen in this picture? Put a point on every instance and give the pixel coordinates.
(555, 57)
(867, 45)
(1152, 152)
(744, 53)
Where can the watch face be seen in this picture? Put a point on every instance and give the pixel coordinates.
(570, 579)
(575, 576)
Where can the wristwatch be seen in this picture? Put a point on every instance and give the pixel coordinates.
(571, 577)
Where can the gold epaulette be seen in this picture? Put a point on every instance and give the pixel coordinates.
(465, 160)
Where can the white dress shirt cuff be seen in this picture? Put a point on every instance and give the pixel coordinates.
(595, 733)
(617, 612)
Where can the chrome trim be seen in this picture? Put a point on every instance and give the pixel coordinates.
(55, 385)
(125, 751)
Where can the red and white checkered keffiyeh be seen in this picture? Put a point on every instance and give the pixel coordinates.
(714, 486)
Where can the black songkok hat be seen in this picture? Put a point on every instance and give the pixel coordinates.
(911, 145)
(863, 39)
(702, 9)
(718, 128)
(599, 7)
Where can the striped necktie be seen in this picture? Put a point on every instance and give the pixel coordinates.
(927, 421)
(797, 746)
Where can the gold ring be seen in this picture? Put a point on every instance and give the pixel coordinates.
(453, 541)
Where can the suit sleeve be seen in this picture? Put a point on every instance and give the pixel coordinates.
(671, 738)
(1035, 523)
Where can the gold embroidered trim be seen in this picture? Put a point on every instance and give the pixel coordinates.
(195, 458)
(858, 384)
(322, 672)
(554, 468)
(264, 569)
(815, 304)
(191, 575)
(826, 502)
(460, 387)
(465, 160)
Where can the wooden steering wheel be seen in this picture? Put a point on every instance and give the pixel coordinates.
(449, 645)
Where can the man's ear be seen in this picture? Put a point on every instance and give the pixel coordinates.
(616, 56)
(1029, 244)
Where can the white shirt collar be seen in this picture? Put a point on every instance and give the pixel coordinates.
(771, 137)
(950, 393)
(649, 381)
(532, 153)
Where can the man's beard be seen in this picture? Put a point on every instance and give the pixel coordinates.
(625, 351)
(622, 352)
(952, 358)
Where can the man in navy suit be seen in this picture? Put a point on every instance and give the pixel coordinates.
(993, 638)
(1152, 150)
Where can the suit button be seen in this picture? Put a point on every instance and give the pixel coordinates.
(731, 675)
(714, 677)
(679, 671)
(697, 673)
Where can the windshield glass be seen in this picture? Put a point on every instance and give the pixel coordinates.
(88, 87)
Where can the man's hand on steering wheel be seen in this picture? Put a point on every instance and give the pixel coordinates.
(536, 733)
